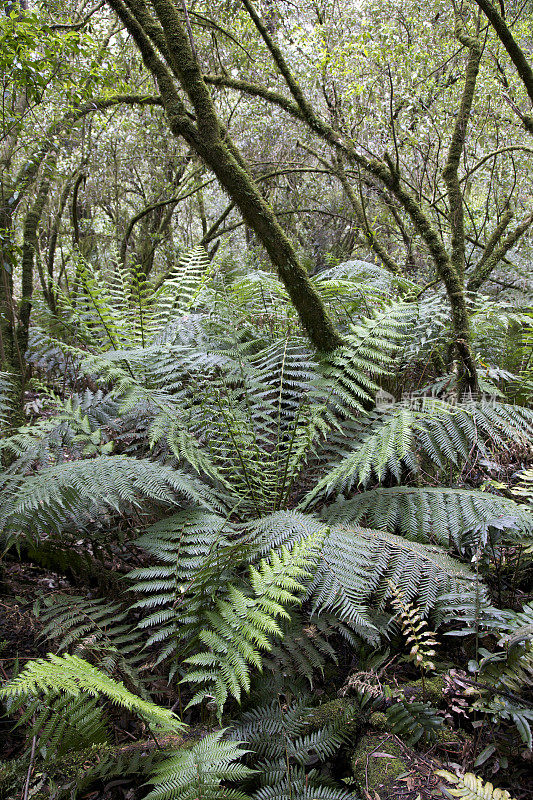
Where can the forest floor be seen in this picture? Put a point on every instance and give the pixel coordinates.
(377, 753)
(384, 767)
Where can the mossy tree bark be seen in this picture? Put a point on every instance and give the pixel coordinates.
(515, 52)
(450, 172)
(168, 52)
(166, 45)
(386, 173)
(38, 169)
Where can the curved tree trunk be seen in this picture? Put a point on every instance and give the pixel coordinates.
(168, 53)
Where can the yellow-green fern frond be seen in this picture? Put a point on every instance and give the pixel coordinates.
(470, 787)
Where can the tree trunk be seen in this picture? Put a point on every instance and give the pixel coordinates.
(164, 33)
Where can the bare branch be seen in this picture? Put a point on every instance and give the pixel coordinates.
(77, 26)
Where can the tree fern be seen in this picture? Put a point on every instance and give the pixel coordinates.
(124, 308)
(182, 288)
(239, 412)
(270, 406)
(198, 555)
(252, 426)
(197, 559)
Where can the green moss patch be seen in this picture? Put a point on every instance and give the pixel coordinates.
(377, 763)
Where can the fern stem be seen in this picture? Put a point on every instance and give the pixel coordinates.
(26, 792)
(283, 495)
(278, 436)
(237, 450)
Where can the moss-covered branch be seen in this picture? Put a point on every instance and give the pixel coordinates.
(450, 172)
(301, 101)
(516, 54)
(211, 142)
(494, 254)
(381, 172)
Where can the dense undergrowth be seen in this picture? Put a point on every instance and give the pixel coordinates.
(272, 584)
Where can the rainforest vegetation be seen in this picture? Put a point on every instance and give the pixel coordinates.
(266, 372)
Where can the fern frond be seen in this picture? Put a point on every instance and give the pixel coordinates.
(427, 514)
(412, 721)
(524, 487)
(415, 629)
(281, 528)
(6, 395)
(182, 288)
(386, 447)
(357, 564)
(61, 723)
(285, 737)
(299, 785)
(72, 676)
(48, 500)
(199, 771)
(394, 442)
(305, 646)
(512, 667)
(194, 564)
(241, 627)
(94, 627)
(348, 375)
(471, 787)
